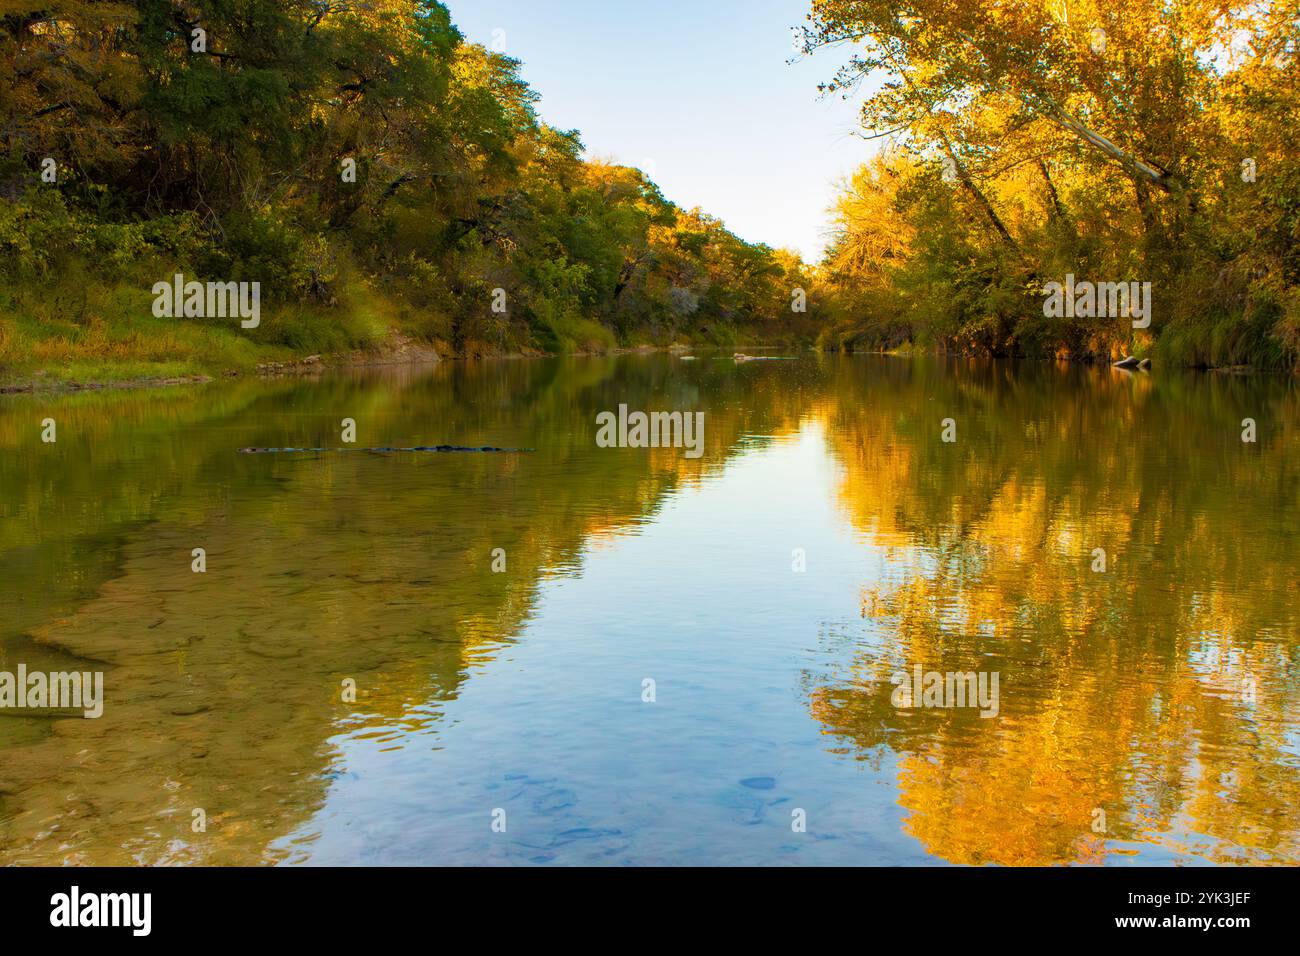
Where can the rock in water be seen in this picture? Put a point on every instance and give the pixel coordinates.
(1127, 362)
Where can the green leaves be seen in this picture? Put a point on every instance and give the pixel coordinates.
(292, 136)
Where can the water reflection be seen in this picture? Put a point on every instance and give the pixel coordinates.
(1158, 696)
(1121, 691)
(224, 686)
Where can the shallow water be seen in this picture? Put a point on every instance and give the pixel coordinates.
(1148, 713)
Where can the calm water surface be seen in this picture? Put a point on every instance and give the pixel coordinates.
(1161, 693)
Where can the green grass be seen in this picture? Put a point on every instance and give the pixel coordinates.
(564, 333)
(1229, 341)
(77, 329)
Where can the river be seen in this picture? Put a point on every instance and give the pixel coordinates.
(616, 655)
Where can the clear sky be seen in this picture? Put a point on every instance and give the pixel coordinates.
(695, 92)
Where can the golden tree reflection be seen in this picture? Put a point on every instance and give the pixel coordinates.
(1157, 696)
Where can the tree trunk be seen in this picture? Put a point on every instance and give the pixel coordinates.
(978, 195)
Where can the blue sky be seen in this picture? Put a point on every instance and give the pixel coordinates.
(695, 92)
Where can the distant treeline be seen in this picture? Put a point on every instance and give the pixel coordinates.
(1030, 140)
(366, 165)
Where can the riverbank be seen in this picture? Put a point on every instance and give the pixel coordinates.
(222, 361)
(132, 369)
(400, 349)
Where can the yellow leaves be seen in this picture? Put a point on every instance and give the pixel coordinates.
(870, 232)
